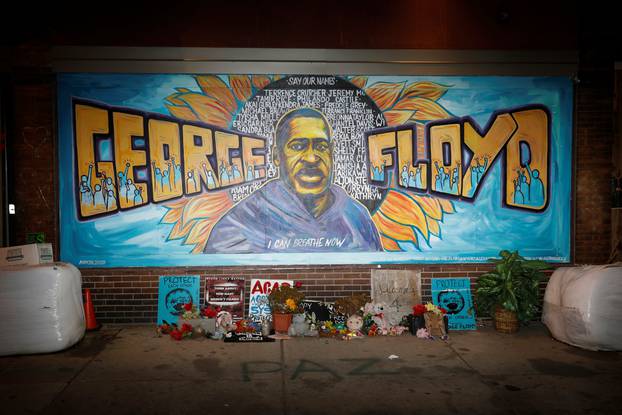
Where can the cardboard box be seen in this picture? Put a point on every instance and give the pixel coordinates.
(32, 254)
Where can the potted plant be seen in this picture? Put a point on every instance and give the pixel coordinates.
(510, 291)
(284, 301)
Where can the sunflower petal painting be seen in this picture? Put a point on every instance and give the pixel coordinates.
(224, 169)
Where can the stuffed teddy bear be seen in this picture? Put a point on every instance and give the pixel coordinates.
(224, 324)
(299, 326)
(377, 312)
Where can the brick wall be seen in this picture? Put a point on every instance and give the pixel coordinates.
(130, 295)
(594, 139)
(31, 158)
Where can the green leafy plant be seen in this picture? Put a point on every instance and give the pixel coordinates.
(512, 285)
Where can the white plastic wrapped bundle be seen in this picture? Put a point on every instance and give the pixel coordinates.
(41, 308)
(583, 306)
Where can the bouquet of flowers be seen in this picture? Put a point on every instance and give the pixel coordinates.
(422, 314)
(435, 321)
(180, 333)
(176, 333)
(433, 308)
(285, 299)
(190, 312)
(419, 310)
(210, 312)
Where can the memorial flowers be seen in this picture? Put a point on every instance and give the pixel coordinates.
(433, 308)
(211, 312)
(190, 312)
(180, 333)
(419, 310)
(285, 299)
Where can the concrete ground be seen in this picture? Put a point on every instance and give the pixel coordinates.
(128, 370)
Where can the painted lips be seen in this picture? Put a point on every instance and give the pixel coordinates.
(310, 176)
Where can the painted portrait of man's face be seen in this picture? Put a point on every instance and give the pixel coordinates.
(305, 156)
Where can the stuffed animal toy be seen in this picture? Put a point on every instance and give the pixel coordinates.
(224, 324)
(377, 312)
(299, 326)
(355, 324)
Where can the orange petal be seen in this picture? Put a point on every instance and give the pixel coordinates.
(426, 89)
(359, 81)
(446, 205)
(403, 209)
(216, 88)
(199, 234)
(393, 230)
(176, 204)
(430, 206)
(180, 231)
(426, 110)
(207, 205)
(174, 100)
(385, 93)
(433, 225)
(397, 117)
(260, 81)
(277, 77)
(241, 85)
(207, 109)
(172, 216)
(183, 113)
(389, 244)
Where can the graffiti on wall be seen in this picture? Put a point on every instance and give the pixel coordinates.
(234, 169)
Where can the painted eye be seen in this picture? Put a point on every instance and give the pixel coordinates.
(321, 147)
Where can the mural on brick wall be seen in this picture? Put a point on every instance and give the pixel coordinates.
(161, 170)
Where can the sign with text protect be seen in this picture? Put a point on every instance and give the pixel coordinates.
(454, 295)
(174, 291)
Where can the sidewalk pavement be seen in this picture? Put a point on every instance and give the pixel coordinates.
(128, 370)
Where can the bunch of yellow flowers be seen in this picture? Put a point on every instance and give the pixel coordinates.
(434, 308)
(291, 304)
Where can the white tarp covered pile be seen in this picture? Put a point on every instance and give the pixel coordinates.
(41, 308)
(583, 306)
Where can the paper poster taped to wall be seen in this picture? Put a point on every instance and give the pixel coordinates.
(258, 304)
(397, 290)
(173, 292)
(454, 295)
(227, 293)
(173, 170)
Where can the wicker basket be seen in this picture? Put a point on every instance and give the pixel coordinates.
(505, 321)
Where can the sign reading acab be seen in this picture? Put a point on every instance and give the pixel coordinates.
(258, 304)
